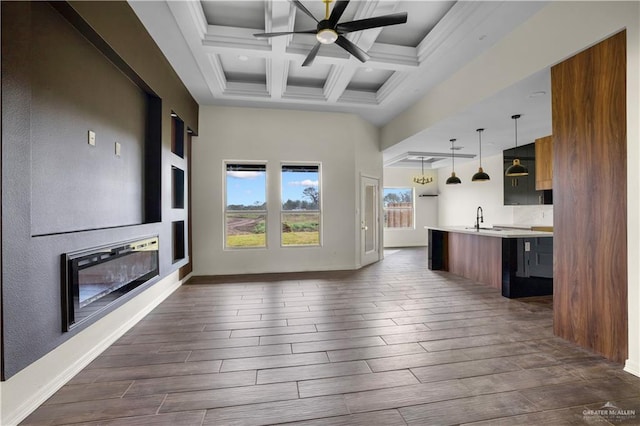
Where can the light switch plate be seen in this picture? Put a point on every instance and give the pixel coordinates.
(92, 138)
(118, 149)
(527, 246)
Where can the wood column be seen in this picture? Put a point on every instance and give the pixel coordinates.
(589, 186)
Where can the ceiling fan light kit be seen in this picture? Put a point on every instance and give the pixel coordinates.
(327, 36)
(329, 31)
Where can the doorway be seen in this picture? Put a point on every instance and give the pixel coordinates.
(369, 220)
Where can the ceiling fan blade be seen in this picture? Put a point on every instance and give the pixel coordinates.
(312, 55)
(337, 12)
(352, 48)
(378, 21)
(267, 35)
(303, 9)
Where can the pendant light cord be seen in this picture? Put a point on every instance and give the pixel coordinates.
(453, 157)
(480, 141)
(515, 117)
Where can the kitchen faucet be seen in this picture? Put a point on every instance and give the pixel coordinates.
(479, 218)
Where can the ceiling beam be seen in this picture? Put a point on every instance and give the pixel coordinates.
(279, 17)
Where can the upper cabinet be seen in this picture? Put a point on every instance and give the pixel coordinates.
(521, 190)
(544, 163)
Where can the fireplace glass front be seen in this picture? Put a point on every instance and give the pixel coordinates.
(94, 279)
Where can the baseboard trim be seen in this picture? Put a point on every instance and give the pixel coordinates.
(31, 387)
(632, 367)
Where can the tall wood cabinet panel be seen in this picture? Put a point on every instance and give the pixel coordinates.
(544, 163)
(589, 155)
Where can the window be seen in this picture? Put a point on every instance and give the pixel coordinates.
(246, 206)
(398, 208)
(300, 216)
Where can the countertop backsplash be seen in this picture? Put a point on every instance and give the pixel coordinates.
(533, 215)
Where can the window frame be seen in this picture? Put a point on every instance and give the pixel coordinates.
(319, 211)
(413, 210)
(226, 211)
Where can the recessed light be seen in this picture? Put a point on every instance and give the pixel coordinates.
(243, 58)
(537, 94)
(368, 69)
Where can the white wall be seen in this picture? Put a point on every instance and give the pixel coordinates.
(458, 203)
(426, 208)
(344, 144)
(542, 41)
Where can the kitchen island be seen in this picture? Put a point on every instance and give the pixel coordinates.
(518, 262)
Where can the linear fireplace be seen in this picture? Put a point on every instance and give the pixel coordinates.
(94, 279)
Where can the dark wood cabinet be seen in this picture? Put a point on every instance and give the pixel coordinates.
(521, 190)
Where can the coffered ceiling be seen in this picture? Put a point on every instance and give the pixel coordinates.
(211, 46)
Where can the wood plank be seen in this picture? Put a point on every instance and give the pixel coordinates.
(242, 352)
(195, 400)
(278, 412)
(361, 382)
(375, 352)
(416, 360)
(475, 409)
(404, 396)
(590, 198)
(463, 369)
(476, 257)
(273, 361)
(174, 384)
(386, 417)
(330, 345)
(307, 372)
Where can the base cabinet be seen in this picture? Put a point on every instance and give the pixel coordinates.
(519, 267)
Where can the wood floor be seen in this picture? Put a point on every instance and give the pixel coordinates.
(391, 344)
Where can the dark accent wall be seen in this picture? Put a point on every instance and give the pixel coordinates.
(589, 185)
(68, 68)
(74, 88)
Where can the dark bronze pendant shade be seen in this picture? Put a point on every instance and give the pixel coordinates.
(453, 179)
(516, 169)
(481, 175)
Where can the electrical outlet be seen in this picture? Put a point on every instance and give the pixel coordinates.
(92, 138)
(118, 149)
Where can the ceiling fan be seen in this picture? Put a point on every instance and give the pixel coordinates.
(329, 31)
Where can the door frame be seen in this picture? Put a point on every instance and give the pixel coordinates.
(366, 258)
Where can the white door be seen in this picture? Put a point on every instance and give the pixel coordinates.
(369, 220)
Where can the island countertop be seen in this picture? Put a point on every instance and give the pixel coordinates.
(492, 232)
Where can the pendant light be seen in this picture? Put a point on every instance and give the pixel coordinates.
(453, 179)
(481, 175)
(422, 180)
(516, 169)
